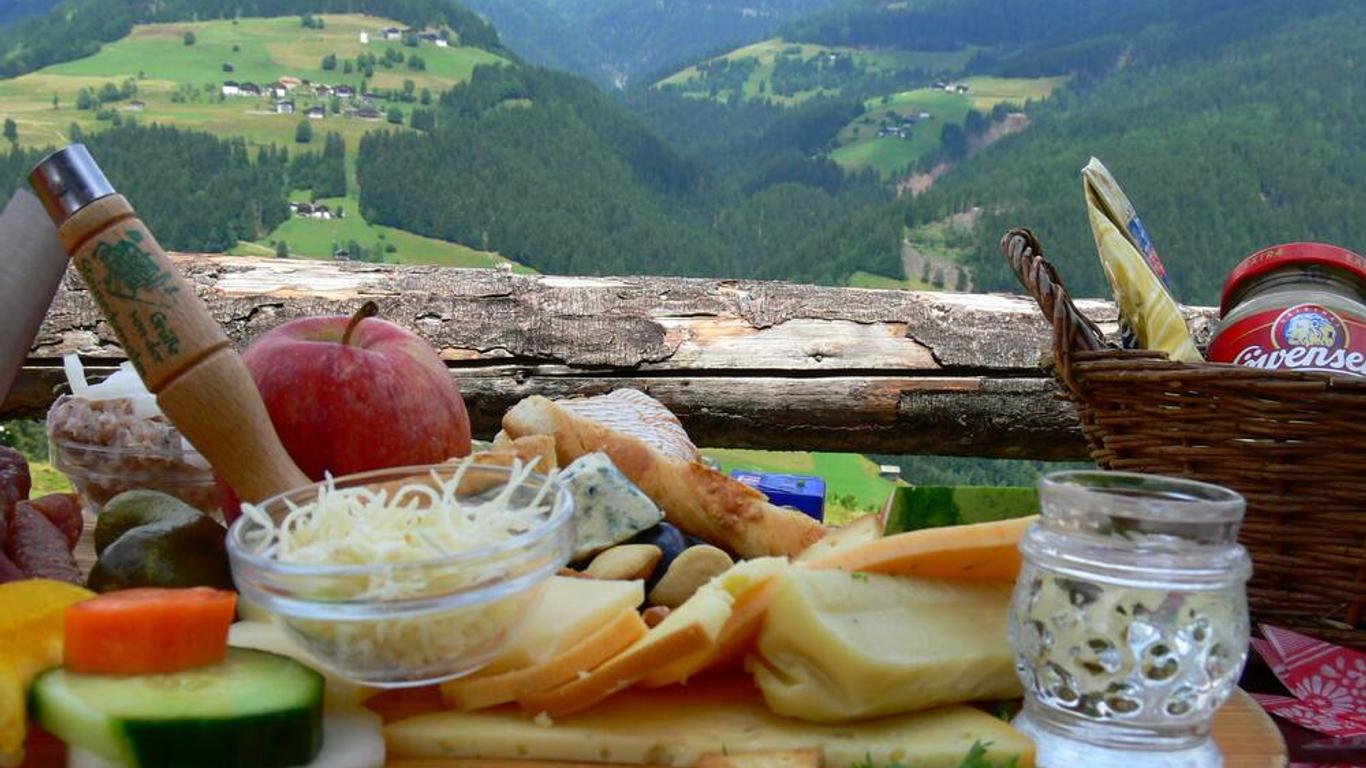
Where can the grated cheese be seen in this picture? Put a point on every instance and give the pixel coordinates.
(416, 522)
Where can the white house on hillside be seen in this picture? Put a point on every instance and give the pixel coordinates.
(364, 37)
(230, 88)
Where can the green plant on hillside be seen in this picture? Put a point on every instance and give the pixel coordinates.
(304, 133)
(188, 38)
(11, 130)
(281, 250)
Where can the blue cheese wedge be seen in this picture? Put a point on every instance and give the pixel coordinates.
(608, 508)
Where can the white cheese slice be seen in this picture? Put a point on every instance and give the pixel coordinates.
(568, 611)
(839, 646)
(677, 725)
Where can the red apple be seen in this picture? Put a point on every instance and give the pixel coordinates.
(351, 394)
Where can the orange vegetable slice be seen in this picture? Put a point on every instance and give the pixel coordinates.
(148, 631)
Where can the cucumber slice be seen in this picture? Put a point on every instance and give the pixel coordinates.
(351, 739)
(253, 709)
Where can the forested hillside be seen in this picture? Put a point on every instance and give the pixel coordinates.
(619, 43)
(936, 25)
(10, 10)
(545, 169)
(77, 28)
(232, 194)
(1226, 135)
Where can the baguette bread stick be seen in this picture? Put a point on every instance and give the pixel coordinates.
(694, 497)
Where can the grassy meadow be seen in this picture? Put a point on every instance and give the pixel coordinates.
(180, 85)
(766, 52)
(852, 485)
(863, 279)
(861, 147)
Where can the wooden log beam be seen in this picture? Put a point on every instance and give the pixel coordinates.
(743, 363)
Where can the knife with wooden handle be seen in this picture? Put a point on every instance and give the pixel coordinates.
(181, 352)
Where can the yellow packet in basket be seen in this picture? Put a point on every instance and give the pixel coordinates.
(1147, 308)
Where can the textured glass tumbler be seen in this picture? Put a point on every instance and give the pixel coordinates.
(1129, 619)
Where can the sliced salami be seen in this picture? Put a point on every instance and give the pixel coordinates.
(64, 511)
(38, 548)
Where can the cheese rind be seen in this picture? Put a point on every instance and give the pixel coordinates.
(678, 646)
(482, 691)
(861, 531)
(978, 552)
(837, 646)
(749, 585)
(676, 726)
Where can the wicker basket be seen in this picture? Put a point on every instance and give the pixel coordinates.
(1293, 443)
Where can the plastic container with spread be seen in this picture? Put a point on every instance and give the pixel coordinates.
(1297, 307)
(111, 437)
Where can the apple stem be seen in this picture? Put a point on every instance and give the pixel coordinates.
(368, 309)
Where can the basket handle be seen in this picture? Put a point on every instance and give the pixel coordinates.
(1072, 331)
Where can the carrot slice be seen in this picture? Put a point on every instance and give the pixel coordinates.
(148, 631)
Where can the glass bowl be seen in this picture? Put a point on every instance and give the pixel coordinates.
(98, 473)
(400, 624)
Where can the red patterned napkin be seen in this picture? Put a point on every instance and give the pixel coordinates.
(1327, 683)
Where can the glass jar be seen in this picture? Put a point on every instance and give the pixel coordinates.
(1300, 306)
(1129, 620)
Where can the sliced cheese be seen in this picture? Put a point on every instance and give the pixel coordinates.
(689, 630)
(772, 758)
(865, 529)
(483, 691)
(749, 584)
(839, 646)
(980, 552)
(676, 726)
(569, 610)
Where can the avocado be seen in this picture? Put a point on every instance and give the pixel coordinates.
(169, 553)
(131, 509)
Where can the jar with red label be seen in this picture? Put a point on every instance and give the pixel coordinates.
(1298, 307)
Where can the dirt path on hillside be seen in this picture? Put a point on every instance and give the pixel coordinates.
(918, 184)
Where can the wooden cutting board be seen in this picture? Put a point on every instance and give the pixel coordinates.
(1243, 730)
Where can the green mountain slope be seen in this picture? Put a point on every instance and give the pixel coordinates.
(1225, 134)
(152, 77)
(77, 28)
(13, 10)
(543, 168)
(548, 34)
(619, 43)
